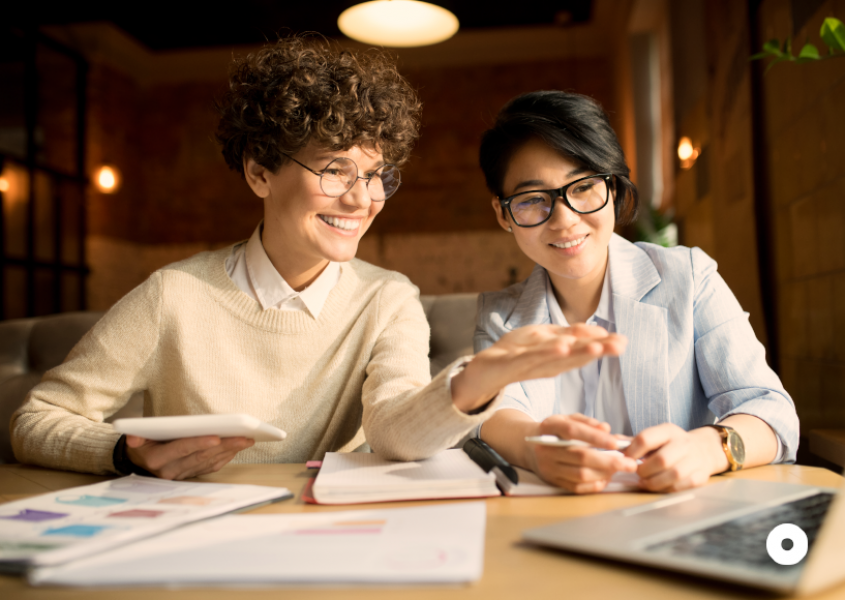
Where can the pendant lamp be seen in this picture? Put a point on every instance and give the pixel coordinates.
(398, 23)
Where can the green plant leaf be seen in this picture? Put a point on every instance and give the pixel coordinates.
(808, 53)
(776, 61)
(772, 47)
(760, 55)
(833, 34)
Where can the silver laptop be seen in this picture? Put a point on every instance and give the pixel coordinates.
(721, 531)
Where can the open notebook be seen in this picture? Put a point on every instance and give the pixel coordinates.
(358, 477)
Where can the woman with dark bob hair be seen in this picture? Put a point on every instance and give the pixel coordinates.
(692, 392)
(287, 326)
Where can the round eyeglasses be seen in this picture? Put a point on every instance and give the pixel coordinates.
(583, 196)
(342, 173)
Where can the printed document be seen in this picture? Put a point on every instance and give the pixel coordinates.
(430, 544)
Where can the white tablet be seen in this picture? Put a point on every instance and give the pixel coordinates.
(163, 429)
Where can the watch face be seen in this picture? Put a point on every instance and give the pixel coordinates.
(736, 446)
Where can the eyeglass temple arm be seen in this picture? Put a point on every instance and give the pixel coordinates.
(302, 165)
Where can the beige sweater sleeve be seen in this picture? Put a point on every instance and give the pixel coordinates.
(60, 424)
(406, 416)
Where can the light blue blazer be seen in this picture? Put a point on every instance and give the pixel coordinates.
(692, 356)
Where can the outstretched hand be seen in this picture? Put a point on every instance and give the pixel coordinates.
(531, 352)
(186, 457)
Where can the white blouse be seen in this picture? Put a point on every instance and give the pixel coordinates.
(253, 272)
(595, 389)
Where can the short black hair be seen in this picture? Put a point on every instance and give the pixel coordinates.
(571, 124)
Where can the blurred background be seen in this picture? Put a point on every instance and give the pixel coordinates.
(748, 166)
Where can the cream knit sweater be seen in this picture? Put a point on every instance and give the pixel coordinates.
(196, 344)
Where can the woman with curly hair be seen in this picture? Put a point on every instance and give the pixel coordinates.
(288, 326)
(692, 393)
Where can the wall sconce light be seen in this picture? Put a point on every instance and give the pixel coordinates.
(398, 23)
(107, 179)
(687, 152)
(14, 185)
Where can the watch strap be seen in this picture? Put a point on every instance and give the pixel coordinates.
(724, 433)
(122, 464)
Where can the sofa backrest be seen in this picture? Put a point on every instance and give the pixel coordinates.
(452, 321)
(29, 347)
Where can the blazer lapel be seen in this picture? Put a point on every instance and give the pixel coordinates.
(644, 363)
(532, 309)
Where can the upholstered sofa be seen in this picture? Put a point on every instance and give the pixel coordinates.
(29, 347)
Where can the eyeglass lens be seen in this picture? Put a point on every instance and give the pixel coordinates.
(342, 173)
(532, 208)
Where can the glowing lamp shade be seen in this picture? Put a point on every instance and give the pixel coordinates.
(685, 148)
(398, 23)
(687, 152)
(107, 179)
(5, 186)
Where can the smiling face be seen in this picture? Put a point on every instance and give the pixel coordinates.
(570, 246)
(304, 228)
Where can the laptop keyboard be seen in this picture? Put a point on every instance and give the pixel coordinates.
(743, 540)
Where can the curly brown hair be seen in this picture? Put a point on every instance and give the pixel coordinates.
(302, 89)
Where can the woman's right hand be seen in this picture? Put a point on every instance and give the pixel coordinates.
(186, 457)
(582, 470)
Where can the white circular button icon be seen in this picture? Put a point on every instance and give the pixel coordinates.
(796, 553)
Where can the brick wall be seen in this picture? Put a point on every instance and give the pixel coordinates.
(176, 187)
(178, 196)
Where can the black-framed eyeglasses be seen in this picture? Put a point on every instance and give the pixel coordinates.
(583, 196)
(342, 173)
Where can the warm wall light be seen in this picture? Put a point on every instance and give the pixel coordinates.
(687, 152)
(684, 148)
(14, 185)
(107, 179)
(398, 23)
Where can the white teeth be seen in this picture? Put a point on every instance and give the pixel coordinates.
(345, 224)
(571, 244)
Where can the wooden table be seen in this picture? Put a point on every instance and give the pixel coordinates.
(512, 570)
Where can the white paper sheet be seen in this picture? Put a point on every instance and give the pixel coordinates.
(60, 526)
(531, 485)
(431, 544)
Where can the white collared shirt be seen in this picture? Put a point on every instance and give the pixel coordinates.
(253, 272)
(595, 389)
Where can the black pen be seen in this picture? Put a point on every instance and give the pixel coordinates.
(488, 459)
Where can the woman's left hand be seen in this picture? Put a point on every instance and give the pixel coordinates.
(531, 352)
(674, 459)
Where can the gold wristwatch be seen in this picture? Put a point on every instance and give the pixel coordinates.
(732, 445)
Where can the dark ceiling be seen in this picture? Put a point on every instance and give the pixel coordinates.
(170, 25)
